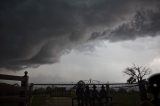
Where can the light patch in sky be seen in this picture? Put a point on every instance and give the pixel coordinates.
(155, 65)
(105, 63)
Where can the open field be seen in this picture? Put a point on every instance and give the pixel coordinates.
(119, 99)
(124, 99)
(51, 101)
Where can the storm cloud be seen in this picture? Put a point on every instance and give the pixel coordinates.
(35, 32)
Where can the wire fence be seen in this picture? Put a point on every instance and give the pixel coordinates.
(116, 94)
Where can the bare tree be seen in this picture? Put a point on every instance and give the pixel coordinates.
(136, 73)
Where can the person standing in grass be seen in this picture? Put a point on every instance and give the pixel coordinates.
(87, 96)
(80, 93)
(102, 96)
(95, 95)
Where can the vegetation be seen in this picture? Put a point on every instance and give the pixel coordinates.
(38, 100)
(120, 97)
(126, 99)
(136, 73)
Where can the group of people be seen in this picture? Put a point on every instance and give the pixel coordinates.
(91, 97)
(94, 97)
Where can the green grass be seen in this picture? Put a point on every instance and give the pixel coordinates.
(119, 99)
(125, 99)
(38, 100)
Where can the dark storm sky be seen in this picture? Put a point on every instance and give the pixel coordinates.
(37, 32)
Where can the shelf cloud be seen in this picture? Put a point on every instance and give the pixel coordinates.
(35, 32)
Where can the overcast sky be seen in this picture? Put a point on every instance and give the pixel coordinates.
(70, 40)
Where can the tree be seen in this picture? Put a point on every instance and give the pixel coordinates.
(136, 73)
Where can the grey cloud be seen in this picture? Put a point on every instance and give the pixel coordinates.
(35, 32)
(144, 23)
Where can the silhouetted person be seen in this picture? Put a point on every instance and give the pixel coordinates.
(102, 95)
(87, 96)
(94, 95)
(154, 87)
(80, 94)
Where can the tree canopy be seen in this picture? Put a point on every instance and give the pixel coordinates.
(136, 73)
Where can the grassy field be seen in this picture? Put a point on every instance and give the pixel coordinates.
(51, 101)
(124, 99)
(119, 99)
(39, 100)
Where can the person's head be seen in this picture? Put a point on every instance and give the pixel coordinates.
(87, 87)
(94, 87)
(80, 84)
(102, 87)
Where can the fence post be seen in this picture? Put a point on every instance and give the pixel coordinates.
(30, 94)
(24, 84)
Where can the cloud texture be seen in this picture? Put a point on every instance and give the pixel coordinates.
(35, 32)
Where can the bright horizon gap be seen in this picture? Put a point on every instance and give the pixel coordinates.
(102, 63)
